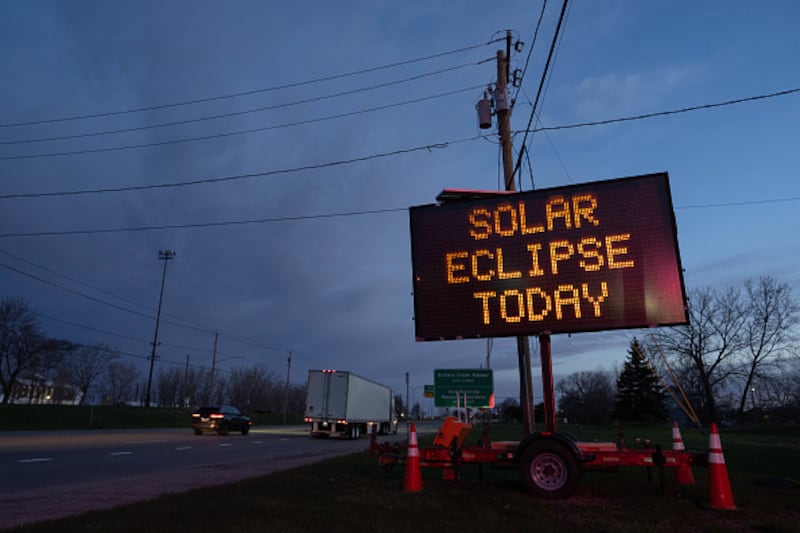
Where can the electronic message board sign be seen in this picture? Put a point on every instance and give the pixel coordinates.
(589, 257)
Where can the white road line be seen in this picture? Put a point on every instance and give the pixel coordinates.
(35, 460)
(120, 453)
(226, 444)
(183, 448)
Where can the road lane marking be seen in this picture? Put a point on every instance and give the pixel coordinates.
(120, 453)
(35, 460)
(183, 448)
(226, 444)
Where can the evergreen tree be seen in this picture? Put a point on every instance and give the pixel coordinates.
(640, 397)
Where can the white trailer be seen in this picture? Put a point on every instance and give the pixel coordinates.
(347, 405)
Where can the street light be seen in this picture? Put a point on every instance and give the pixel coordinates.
(163, 255)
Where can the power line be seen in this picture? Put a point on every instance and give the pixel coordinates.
(113, 334)
(238, 113)
(541, 84)
(30, 263)
(235, 337)
(664, 113)
(297, 218)
(73, 291)
(428, 147)
(530, 50)
(205, 328)
(196, 225)
(239, 132)
(250, 92)
(97, 300)
(737, 204)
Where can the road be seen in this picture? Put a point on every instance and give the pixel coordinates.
(50, 475)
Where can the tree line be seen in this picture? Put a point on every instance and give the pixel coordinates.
(37, 369)
(736, 360)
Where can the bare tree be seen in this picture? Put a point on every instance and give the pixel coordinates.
(87, 365)
(704, 350)
(203, 391)
(168, 385)
(47, 356)
(25, 353)
(254, 388)
(17, 322)
(119, 382)
(769, 335)
(586, 397)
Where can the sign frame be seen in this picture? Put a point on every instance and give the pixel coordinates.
(587, 257)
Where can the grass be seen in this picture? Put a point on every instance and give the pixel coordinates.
(353, 493)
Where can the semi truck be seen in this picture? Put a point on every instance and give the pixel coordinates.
(347, 405)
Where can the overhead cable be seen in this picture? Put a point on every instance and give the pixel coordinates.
(236, 113)
(427, 147)
(541, 84)
(246, 93)
(189, 226)
(239, 132)
(662, 113)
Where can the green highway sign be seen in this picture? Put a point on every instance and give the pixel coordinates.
(430, 391)
(467, 387)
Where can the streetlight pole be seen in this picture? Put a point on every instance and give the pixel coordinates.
(163, 255)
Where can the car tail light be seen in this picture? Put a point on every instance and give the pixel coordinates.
(195, 415)
(217, 415)
(307, 419)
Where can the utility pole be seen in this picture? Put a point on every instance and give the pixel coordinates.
(166, 256)
(213, 367)
(503, 110)
(185, 382)
(286, 394)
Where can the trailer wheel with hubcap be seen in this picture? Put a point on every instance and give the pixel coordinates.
(549, 470)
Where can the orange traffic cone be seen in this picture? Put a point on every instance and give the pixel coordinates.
(413, 481)
(719, 486)
(683, 472)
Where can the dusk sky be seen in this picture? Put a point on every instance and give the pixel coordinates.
(277, 146)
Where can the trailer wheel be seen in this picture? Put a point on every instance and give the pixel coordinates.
(549, 470)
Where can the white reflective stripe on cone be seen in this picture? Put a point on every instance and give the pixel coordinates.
(716, 458)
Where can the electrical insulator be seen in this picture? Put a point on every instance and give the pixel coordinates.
(501, 100)
(484, 112)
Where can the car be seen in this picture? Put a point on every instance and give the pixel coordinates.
(220, 419)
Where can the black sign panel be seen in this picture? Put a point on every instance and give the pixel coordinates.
(588, 257)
